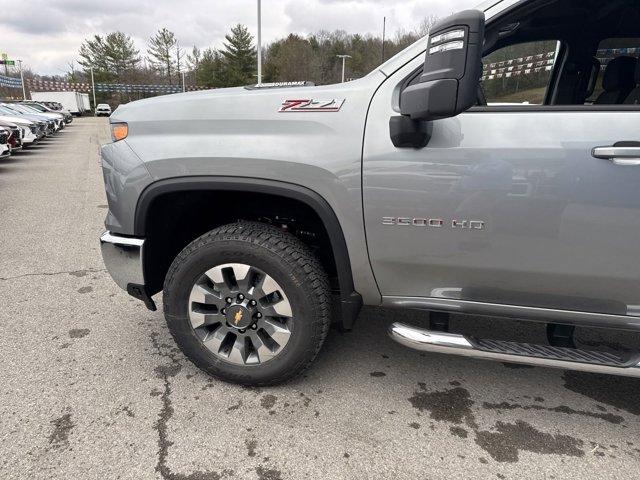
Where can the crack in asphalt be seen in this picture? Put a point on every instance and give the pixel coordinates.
(75, 273)
(165, 373)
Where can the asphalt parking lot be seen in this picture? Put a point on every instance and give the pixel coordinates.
(94, 388)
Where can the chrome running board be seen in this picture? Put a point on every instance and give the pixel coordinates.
(512, 352)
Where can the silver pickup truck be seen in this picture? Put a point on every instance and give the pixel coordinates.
(493, 169)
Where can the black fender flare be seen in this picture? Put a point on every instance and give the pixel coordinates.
(350, 300)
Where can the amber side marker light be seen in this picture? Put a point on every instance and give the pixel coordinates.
(119, 131)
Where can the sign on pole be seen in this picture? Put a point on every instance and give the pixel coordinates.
(5, 60)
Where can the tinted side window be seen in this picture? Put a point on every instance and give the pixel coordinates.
(519, 74)
(607, 51)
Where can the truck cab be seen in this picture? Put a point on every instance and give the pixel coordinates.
(489, 169)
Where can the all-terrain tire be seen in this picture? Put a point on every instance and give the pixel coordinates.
(280, 255)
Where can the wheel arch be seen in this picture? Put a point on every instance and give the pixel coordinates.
(350, 301)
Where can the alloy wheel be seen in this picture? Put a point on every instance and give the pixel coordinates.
(240, 314)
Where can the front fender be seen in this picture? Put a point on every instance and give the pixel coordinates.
(350, 299)
(125, 178)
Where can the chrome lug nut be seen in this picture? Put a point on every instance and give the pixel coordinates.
(240, 297)
(223, 311)
(254, 327)
(253, 303)
(229, 300)
(259, 315)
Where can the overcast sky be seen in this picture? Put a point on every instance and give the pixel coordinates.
(47, 34)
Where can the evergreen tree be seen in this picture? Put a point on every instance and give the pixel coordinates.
(111, 56)
(161, 53)
(93, 55)
(194, 58)
(122, 56)
(239, 56)
(290, 60)
(212, 71)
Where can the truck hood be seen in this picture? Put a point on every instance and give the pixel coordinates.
(241, 102)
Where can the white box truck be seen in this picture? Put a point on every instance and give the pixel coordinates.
(85, 102)
(71, 101)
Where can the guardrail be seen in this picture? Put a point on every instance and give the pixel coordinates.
(36, 85)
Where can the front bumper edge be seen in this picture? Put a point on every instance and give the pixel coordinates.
(123, 257)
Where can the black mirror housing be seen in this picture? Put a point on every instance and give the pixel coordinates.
(407, 133)
(449, 83)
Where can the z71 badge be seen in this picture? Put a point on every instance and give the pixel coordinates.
(333, 105)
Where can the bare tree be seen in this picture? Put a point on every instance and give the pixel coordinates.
(72, 75)
(427, 24)
(179, 58)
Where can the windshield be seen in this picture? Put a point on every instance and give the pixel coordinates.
(26, 109)
(9, 111)
(16, 108)
(36, 106)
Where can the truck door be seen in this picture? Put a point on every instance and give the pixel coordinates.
(513, 203)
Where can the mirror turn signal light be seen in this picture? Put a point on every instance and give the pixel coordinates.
(119, 131)
(447, 36)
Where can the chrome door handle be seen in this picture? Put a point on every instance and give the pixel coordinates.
(623, 156)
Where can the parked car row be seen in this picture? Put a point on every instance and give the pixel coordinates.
(26, 123)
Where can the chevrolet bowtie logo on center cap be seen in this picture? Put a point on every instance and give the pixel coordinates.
(238, 317)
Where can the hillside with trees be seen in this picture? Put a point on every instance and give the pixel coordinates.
(313, 58)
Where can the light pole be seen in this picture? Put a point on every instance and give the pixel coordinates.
(24, 91)
(384, 34)
(344, 59)
(259, 42)
(93, 88)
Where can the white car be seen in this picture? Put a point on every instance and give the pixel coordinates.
(29, 129)
(57, 118)
(103, 109)
(5, 148)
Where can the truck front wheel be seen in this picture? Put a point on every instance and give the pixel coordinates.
(248, 303)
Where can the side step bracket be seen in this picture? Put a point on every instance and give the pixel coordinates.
(513, 352)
